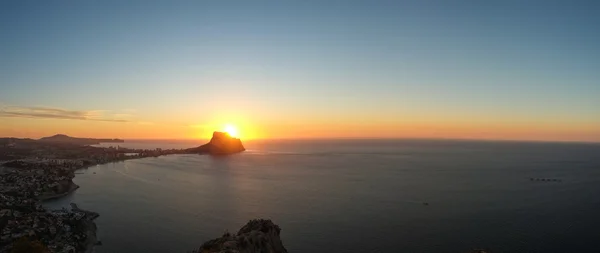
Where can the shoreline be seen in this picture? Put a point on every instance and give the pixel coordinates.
(88, 224)
(72, 188)
(90, 227)
(45, 179)
(92, 240)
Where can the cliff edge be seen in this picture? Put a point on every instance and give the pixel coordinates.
(257, 236)
(220, 144)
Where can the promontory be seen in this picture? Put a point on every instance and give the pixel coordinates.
(221, 143)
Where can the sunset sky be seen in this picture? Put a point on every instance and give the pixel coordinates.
(522, 70)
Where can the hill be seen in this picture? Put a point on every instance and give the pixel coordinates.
(61, 138)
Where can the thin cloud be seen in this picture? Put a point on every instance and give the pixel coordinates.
(56, 113)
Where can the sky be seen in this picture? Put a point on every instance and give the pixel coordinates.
(518, 70)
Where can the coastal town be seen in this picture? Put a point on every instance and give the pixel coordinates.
(24, 222)
(32, 171)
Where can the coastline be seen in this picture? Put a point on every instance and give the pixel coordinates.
(88, 224)
(89, 227)
(35, 178)
(92, 240)
(72, 188)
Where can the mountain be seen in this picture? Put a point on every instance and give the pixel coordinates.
(220, 144)
(61, 138)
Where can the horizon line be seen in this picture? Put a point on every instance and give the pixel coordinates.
(338, 138)
(376, 138)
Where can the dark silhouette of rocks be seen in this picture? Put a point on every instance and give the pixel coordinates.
(220, 144)
(61, 138)
(546, 179)
(257, 236)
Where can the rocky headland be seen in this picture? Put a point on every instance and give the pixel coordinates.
(220, 144)
(257, 236)
(63, 188)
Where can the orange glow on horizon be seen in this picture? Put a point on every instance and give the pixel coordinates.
(302, 129)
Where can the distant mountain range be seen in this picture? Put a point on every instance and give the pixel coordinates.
(61, 138)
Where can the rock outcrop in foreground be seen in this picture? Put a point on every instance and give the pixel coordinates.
(257, 236)
(220, 144)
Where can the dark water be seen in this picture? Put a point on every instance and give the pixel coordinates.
(355, 196)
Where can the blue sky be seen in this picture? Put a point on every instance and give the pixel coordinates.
(434, 60)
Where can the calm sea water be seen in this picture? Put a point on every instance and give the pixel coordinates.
(354, 196)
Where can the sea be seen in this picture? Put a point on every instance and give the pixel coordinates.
(352, 196)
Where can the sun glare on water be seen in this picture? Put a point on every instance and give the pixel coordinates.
(231, 130)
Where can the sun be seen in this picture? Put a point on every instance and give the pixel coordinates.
(231, 130)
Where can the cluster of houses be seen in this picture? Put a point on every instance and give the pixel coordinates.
(38, 171)
(60, 231)
(22, 215)
(34, 179)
